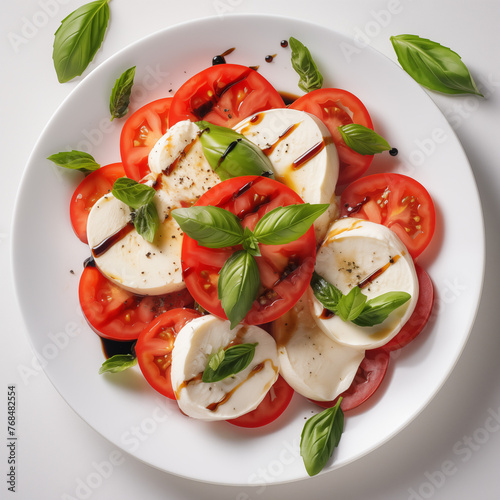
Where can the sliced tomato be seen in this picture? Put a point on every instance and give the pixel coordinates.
(285, 270)
(368, 378)
(420, 315)
(154, 348)
(396, 201)
(224, 94)
(96, 184)
(272, 406)
(335, 108)
(140, 133)
(118, 314)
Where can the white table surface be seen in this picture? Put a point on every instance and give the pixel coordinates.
(451, 451)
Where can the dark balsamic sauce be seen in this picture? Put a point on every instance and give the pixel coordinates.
(221, 58)
(284, 43)
(111, 348)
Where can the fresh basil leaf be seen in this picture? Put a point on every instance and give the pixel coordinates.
(231, 154)
(211, 227)
(285, 224)
(325, 292)
(118, 363)
(216, 359)
(320, 436)
(377, 310)
(362, 139)
(238, 285)
(304, 65)
(78, 39)
(132, 193)
(234, 360)
(250, 243)
(75, 160)
(350, 306)
(147, 221)
(120, 95)
(433, 66)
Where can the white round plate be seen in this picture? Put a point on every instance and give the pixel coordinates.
(48, 257)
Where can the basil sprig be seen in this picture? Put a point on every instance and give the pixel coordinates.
(320, 436)
(78, 39)
(231, 154)
(354, 306)
(139, 198)
(362, 139)
(120, 95)
(304, 65)
(118, 363)
(214, 227)
(75, 160)
(228, 362)
(433, 66)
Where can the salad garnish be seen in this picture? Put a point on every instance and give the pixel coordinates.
(118, 363)
(227, 362)
(120, 95)
(363, 140)
(303, 63)
(75, 160)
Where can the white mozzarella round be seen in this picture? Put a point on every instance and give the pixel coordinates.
(233, 396)
(302, 154)
(311, 362)
(356, 252)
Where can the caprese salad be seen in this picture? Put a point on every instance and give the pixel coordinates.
(225, 261)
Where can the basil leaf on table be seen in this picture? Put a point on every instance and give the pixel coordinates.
(320, 436)
(377, 310)
(120, 95)
(228, 362)
(132, 193)
(433, 66)
(147, 221)
(305, 67)
(362, 139)
(118, 363)
(75, 160)
(78, 39)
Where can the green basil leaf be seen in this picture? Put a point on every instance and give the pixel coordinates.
(304, 65)
(320, 436)
(211, 227)
(325, 292)
(233, 360)
(216, 359)
(231, 154)
(362, 139)
(285, 224)
(147, 221)
(377, 310)
(433, 66)
(350, 306)
(250, 243)
(132, 193)
(76, 160)
(120, 95)
(118, 363)
(78, 39)
(238, 285)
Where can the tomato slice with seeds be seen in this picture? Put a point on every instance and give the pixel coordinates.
(397, 201)
(154, 348)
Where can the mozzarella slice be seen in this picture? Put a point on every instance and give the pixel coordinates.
(311, 362)
(302, 154)
(358, 252)
(233, 396)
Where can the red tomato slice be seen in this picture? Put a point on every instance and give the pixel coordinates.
(420, 315)
(224, 95)
(285, 270)
(117, 314)
(336, 107)
(396, 201)
(272, 406)
(96, 184)
(140, 133)
(368, 378)
(154, 348)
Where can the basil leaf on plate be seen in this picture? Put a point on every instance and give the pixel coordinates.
(304, 65)
(328, 294)
(362, 139)
(118, 363)
(147, 221)
(285, 224)
(132, 193)
(76, 160)
(120, 95)
(211, 227)
(350, 306)
(433, 66)
(238, 285)
(78, 39)
(228, 362)
(377, 310)
(320, 436)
